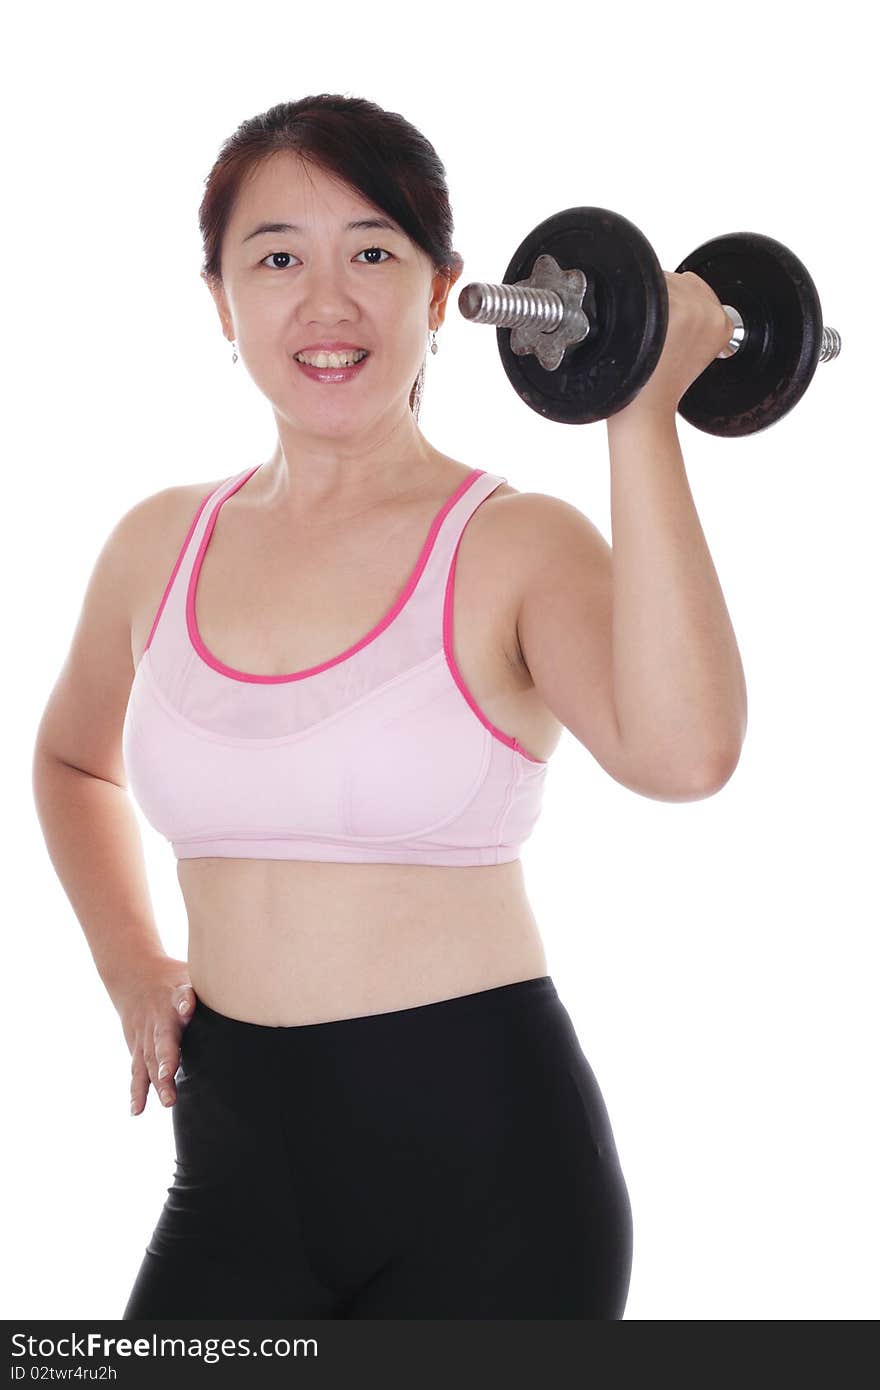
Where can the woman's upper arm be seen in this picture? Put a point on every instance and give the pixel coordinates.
(564, 628)
(564, 622)
(82, 721)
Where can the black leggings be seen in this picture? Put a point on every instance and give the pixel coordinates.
(453, 1160)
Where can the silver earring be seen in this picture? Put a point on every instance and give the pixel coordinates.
(433, 340)
(234, 353)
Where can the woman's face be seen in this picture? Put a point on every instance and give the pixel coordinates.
(286, 289)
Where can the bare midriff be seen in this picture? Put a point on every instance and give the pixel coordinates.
(287, 942)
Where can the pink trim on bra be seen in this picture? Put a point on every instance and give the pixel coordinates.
(192, 526)
(235, 674)
(459, 679)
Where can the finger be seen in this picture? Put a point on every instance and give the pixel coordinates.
(158, 1058)
(140, 1083)
(705, 287)
(704, 284)
(185, 1001)
(726, 331)
(168, 1058)
(149, 1051)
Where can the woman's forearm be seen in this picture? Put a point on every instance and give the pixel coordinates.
(94, 843)
(679, 685)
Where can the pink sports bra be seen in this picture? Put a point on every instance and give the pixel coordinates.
(380, 755)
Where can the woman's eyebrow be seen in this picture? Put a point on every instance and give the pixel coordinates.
(365, 224)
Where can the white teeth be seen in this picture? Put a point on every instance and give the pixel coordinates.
(330, 359)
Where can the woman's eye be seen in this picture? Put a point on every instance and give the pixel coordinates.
(281, 255)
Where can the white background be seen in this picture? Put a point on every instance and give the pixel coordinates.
(718, 957)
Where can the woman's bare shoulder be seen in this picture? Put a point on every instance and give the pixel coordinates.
(179, 495)
(152, 531)
(159, 513)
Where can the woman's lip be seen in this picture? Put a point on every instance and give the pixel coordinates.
(332, 374)
(334, 347)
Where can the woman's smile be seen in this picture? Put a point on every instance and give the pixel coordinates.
(333, 375)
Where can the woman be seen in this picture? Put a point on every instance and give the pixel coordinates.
(334, 681)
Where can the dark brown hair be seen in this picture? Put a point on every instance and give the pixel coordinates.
(374, 151)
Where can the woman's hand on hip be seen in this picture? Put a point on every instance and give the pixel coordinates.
(155, 1007)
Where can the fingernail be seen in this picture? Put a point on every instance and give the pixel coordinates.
(183, 1006)
(165, 1097)
(134, 1107)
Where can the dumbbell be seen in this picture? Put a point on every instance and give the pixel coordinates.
(582, 314)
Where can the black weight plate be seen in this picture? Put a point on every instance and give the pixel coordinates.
(782, 324)
(626, 302)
